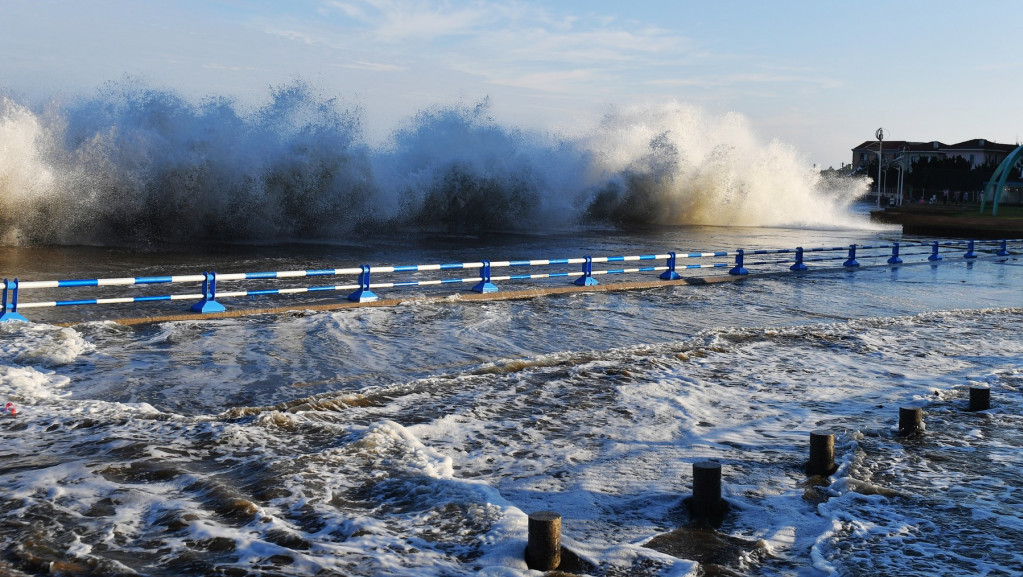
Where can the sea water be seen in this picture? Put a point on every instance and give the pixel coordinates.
(415, 439)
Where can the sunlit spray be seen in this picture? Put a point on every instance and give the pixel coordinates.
(137, 164)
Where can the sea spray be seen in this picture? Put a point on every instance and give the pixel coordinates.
(455, 168)
(676, 164)
(136, 164)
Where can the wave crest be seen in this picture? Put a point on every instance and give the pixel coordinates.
(136, 164)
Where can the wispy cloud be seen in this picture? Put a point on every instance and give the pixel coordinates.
(751, 78)
(373, 66)
(294, 35)
(559, 81)
(402, 20)
(999, 66)
(505, 43)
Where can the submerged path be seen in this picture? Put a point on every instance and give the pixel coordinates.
(449, 298)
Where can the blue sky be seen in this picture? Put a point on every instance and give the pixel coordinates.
(821, 76)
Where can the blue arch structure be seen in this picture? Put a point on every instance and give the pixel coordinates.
(1001, 175)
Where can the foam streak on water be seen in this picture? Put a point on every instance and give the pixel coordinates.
(348, 443)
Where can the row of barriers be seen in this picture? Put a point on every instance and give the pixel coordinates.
(483, 282)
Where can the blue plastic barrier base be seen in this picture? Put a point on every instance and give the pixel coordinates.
(1002, 253)
(485, 287)
(797, 267)
(738, 271)
(670, 275)
(12, 316)
(207, 306)
(851, 263)
(363, 296)
(895, 260)
(934, 257)
(586, 281)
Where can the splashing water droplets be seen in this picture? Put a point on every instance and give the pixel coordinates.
(137, 164)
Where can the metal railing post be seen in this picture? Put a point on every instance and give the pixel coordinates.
(969, 251)
(895, 255)
(587, 278)
(851, 261)
(11, 315)
(739, 268)
(798, 266)
(364, 294)
(485, 286)
(209, 303)
(670, 274)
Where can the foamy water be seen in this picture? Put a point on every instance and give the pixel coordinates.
(414, 440)
(140, 165)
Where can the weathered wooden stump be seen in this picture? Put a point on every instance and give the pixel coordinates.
(822, 454)
(706, 507)
(980, 398)
(910, 420)
(543, 550)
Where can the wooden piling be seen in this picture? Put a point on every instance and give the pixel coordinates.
(822, 454)
(980, 398)
(543, 550)
(706, 489)
(910, 420)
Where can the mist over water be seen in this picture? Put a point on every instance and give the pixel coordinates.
(136, 164)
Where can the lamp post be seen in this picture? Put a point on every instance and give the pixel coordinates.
(880, 138)
(899, 168)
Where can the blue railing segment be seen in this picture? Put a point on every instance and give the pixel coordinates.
(894, 259)
(587, 278)
(739, 268)
(798, 265)
(209, 303)
(12, 314)
(671, 273)
(851, 261)
(970, 252)
(484, 281)
(364, 294)
(485, 286)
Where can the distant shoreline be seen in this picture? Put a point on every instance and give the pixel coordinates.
(963, 221)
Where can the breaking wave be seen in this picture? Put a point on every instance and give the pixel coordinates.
(137, 164)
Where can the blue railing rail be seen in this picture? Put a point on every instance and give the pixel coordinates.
(484, 280)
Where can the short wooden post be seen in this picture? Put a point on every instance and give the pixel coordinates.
(910, 420)
(706, 488)
(822, 453)
(543, 550)
(980, 398)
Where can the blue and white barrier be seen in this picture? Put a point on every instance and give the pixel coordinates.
(362, 286)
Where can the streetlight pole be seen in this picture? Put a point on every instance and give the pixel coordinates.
(902, 172)
(880, 138)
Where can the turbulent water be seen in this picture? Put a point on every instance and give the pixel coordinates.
(135, 164)
(416, 439)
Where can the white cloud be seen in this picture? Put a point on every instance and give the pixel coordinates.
(708, 82)
(557, 81)
(395, 21)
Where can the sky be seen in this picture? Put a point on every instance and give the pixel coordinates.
(819, 76)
